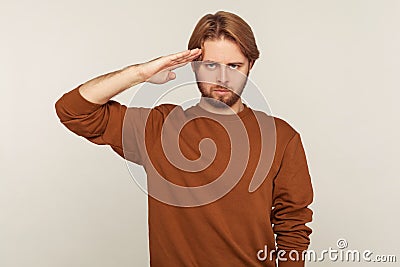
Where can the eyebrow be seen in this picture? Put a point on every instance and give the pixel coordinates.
(231, 63)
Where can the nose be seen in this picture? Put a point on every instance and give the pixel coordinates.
(222, 75)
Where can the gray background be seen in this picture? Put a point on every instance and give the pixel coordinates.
(329, 68)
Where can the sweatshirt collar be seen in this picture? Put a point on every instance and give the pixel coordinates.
(198, 110)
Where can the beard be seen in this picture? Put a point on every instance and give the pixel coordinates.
(220, 101)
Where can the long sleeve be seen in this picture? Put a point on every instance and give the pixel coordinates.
(104, 124)
(292, 194)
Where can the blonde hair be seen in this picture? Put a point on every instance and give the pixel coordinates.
(224, 24)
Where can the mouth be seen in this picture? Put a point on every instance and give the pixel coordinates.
(221, 91)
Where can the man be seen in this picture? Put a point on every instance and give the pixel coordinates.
(212, 203)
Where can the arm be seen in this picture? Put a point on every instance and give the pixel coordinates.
(293, 193)
(88, 111)
(101, 89)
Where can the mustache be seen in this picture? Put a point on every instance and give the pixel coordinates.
(220, 87)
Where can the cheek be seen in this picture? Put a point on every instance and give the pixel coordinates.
(244, 70)
(206, 76)
(238, 76)
(205, 87)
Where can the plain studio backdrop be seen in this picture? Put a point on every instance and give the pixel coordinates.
(329, 68)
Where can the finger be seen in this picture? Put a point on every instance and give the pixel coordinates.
(185, 55)
(188, 58)
(185, 60)
(179, 55)
(171, 75)
(194, 56)
(181, 63)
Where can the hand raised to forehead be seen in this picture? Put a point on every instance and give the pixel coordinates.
(159, 70)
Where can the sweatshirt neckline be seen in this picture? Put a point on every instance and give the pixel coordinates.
(198, 110)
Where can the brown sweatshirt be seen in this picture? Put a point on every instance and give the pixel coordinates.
(220, 186)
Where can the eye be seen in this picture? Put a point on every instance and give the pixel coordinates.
(233, 66)
(210, 65)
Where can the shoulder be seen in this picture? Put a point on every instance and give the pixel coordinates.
(286, 134)
(283, 131)
(282, 127)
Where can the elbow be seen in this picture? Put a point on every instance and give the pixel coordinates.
(59, 108)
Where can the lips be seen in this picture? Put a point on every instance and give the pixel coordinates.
(222, 90)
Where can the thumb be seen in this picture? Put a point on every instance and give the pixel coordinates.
(171, 75)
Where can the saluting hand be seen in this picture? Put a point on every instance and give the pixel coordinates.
(160, 70)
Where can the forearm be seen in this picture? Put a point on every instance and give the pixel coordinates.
(292, 195)
(102, 88)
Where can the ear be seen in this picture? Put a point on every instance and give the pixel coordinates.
(251, 63)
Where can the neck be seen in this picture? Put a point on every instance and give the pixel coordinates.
(235, 108)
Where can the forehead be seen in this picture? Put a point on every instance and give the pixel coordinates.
(222, 51)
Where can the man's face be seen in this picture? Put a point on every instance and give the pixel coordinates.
(222, 73)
